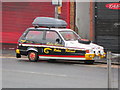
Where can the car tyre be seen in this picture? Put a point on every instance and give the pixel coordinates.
(89, 62)
(33, 56)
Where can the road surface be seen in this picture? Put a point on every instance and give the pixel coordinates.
(20, 73)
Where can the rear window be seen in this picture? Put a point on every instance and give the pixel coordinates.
(35, 36)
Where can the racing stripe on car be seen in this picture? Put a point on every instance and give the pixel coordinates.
(51, 46)
(63, 56)
(73, 57)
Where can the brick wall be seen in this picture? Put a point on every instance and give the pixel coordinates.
(72, 15)
(17, 16)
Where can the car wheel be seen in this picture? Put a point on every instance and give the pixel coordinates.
(33, 56)
(89, 62)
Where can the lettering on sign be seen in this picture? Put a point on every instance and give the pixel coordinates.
(113, 5)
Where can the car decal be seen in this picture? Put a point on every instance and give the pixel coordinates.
(62, 57)
(52, 46)
(77, 56)
(47, 50)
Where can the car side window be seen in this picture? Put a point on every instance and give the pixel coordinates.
(34, 36)
(52, 37)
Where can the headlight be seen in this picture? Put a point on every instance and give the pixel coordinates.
(101, 52)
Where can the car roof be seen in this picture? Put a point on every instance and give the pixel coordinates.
(54, 29)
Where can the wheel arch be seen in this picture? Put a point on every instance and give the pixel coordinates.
(32, 49)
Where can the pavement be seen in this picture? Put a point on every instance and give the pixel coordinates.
(115, 57)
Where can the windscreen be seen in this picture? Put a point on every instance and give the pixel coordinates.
(69, 35)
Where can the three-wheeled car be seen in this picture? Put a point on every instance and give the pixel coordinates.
(50, 39)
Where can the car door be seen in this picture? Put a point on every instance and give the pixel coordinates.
(53, 38)
(53, 43)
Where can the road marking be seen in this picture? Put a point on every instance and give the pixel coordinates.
(7, 57)
(37, 73)
(12, 57)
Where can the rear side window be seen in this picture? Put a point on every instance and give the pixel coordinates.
(51, 36)
(35, 36)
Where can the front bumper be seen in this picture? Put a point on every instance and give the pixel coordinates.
(94, 56)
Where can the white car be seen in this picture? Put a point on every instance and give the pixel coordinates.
(56, 43)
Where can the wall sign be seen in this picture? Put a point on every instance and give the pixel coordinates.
(113, 5)
(57, 2)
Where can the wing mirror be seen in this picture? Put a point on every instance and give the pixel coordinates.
(58, 40)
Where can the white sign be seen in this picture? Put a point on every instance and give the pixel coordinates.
(57, 2)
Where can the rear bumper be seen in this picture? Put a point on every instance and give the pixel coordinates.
(18, 55)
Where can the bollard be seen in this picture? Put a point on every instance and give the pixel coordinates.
(109, 57)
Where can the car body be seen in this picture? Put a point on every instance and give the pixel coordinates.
(57, 43)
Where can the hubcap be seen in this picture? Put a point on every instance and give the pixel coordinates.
(32, 56)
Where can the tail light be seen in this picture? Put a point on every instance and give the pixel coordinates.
(87, 51)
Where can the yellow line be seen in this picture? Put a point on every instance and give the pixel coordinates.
(11, 57)
(6, 57)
